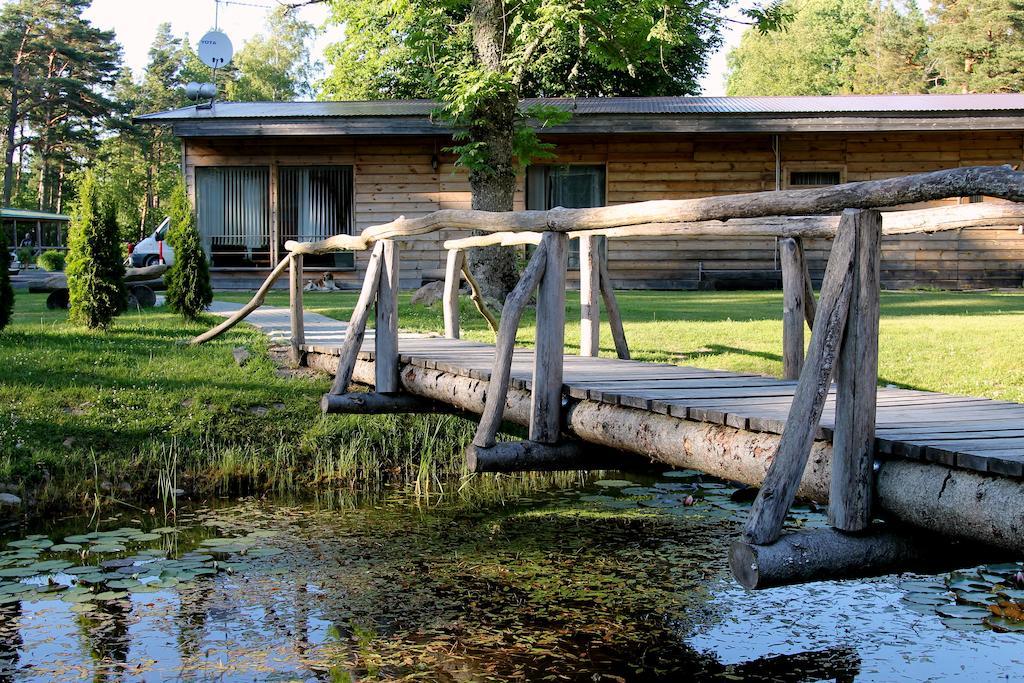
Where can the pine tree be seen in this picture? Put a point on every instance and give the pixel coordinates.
(95, 267)
(6, 291)
(188, 280)
(977, 46)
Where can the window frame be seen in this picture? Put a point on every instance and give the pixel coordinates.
(278, 226)
(811, 167)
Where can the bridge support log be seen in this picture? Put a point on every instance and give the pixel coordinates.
(828, 555)
(958, 503)
(372, 403)
(530, 456)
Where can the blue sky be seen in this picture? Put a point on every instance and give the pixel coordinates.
(135, 23)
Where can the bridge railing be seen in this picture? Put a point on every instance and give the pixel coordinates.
(844, 320)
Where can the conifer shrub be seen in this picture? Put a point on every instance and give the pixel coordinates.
(95, 265)
(188, 280)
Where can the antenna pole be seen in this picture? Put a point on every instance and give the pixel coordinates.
(216, 15)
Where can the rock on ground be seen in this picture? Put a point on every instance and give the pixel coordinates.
(429, 294)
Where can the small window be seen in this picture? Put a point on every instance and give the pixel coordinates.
(577, 186)
(814, 178)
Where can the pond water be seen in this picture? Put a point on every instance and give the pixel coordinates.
(619, 578)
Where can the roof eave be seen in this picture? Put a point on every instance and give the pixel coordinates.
(605, 123)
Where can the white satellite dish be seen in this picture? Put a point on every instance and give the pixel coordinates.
(215, 49)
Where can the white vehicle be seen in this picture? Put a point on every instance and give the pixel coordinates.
(154, 250)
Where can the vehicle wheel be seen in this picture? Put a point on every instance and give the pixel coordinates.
(58, 299)
(143, 296)
(151, 260)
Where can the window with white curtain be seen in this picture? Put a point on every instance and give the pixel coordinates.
(571, 186)
(316, 203)
(233, 212)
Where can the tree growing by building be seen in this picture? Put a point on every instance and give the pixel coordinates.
(978, 45)
(835, 47)
(6, 291)
(479, 58)
(95, 265)
(188, 280)
(276, 65)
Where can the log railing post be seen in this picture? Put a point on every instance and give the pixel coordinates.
(356, 329)
(853, 441)
(504, 347)
(611, 304)
(590, 293)
(452, 284)
(549, 350)
(780, 484)
(793, 310)
(810, 303)
(298, 338)
(386, 330)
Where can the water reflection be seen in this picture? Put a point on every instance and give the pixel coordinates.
(515, 579)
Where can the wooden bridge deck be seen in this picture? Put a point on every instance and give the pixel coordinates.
(958, 431)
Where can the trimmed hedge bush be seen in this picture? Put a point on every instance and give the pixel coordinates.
(51, 260)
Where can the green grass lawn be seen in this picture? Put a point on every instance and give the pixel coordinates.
(956, 342)
(85, 413)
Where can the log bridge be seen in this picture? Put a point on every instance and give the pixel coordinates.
(912, 479)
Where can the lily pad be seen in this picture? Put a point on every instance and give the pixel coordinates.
(613, 483)
(1004, 625)
(111, 595)
(65, 548)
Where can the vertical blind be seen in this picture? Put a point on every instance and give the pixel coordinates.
(316, 202)
(576, 186)
(233, 209)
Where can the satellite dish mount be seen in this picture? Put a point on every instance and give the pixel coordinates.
(215, 51)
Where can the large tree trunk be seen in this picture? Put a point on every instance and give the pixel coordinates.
(12, 125)
(494, 187)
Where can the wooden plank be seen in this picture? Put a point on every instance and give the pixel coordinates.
(773, 500)
(793, 310)
(590, 291)
(386, 329)
(546, 400)
(853, 440)
(452, 283)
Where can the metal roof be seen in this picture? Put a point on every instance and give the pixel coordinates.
(586, 106)
(30, 215)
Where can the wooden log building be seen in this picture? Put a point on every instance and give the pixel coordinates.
(264, 173)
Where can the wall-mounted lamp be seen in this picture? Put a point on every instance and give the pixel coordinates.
(434, 161)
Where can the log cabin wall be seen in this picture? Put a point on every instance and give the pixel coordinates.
(396, 176)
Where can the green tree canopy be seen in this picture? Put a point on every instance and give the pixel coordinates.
(834, 47)
(480, 57)
(275, 65)
(978, 45)
(56, 70)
